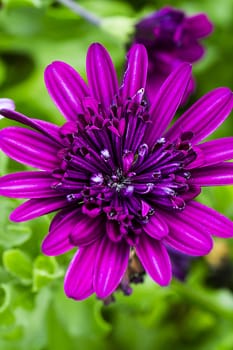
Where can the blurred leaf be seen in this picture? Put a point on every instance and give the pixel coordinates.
(4, 297)
(112, 24)
(45, 269)
(22, 20)
(11, 234)
(18, 3)
(18, 264)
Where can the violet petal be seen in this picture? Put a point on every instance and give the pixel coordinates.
(101, 75)
(155, 259)
(216, 175)
(204, 116)
(167, 102)
(34, 208)
(213, 222)
(136, 72)
(67, 88)
(57, 241)
(28, 184)
(86, 230)
(187, 238)
(111, 263)
(156, 227)
(29, 147)
(216, 151)
(198, 26)
(192, 52)
(79, 276)
(48, 129)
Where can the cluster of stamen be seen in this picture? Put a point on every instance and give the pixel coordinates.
(109, 170)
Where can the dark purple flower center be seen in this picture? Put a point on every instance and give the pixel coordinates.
(109, 170)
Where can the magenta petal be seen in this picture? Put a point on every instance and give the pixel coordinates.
(67, 88)
(101, 75)
(155, 259)
(216, 151)
(87, 230)
(204, 116)
(28, 184)
(198, 26)
(57, 241)
(187, 238)
(29, 147)
(136, 72)
(192, 52)
(209, 219)
(215, 175)
(37, 207)
(79, 276)
(167, 101)
(111, 264)
(48, 129)
(156, 227)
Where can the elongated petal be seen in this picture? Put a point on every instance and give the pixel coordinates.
(155, 259)
(204, 116)
(28, 184)
(48, 129)
(111, 263)
(29, 147)
(156, 227)
(216, 151)
(167, 102)
(57, 241)
(198, 26)
(192, 52)
(213, 222)
(79, 276)
(215, 175)
(101, 75)
(186, 238)
(87, 230)
(67, 88)
(37, 207)
(136, 72)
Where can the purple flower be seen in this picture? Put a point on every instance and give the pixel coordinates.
(170, 38)
(121, 182)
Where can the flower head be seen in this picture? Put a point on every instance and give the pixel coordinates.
(170, 38)
(122, 182)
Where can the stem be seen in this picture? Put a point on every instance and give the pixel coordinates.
(76, 8)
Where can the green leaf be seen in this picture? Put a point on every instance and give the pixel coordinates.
(45, 270)
(4, 297)
(11, 234)
(18, 264)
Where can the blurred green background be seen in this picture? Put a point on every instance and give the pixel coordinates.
(34, 313)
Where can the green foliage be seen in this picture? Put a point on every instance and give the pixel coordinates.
(34, 312)
(18, 264)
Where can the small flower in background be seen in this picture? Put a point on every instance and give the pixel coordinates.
(6, 103)
(170, 38)
(123, 185)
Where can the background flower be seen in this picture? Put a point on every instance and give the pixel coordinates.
(171, 37)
